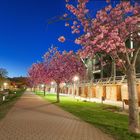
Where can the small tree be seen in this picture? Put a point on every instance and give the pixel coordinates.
(63, 66)
(3, 73)
(108, 34)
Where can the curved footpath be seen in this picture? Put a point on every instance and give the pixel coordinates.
(32, 118)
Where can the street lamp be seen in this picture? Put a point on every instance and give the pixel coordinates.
(52, 83)
(64, 84)
(43, 88)
(42, 85)
(5, 85)
(75, 79)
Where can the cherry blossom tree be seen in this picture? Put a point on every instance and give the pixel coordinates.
(32, 82)
(38, 74)
(108, 34)
(63, 66)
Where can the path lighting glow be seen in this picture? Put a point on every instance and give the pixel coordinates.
(52, 83)
(75, 78)
(64, 84)
(42, 85)
(5, 84)
(125, 85)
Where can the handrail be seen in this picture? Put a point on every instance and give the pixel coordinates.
(108, 80)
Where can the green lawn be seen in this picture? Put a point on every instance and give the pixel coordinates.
(9, 102)
(100, 115)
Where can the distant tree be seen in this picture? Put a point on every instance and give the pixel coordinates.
(38, 74)
(20, 82)
(3, 73)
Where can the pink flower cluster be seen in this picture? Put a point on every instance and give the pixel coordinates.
(63, 66)
(80, 12)
(57, 66)
(38, 74)
(108, 32)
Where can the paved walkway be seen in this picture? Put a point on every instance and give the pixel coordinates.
(32, 118)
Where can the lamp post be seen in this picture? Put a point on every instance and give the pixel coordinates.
(44, 88)
(75, 80)
(52, 83)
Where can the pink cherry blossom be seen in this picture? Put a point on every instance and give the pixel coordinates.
(65, 15)
(110, 31)
(66, 24)
(38, 74)
(107, 1)
(61, 39)
(105, 32)
(63, 66)
(77, 41)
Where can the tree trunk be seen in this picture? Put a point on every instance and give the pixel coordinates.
(134, 125)
(90, 69)
(44, 90)
(113, 71)
(58, 90)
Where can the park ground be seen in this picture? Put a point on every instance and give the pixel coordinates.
(33, 118)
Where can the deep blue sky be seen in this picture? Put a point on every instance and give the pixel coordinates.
(25, 34)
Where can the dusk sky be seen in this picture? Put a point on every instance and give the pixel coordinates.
(25, 34)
